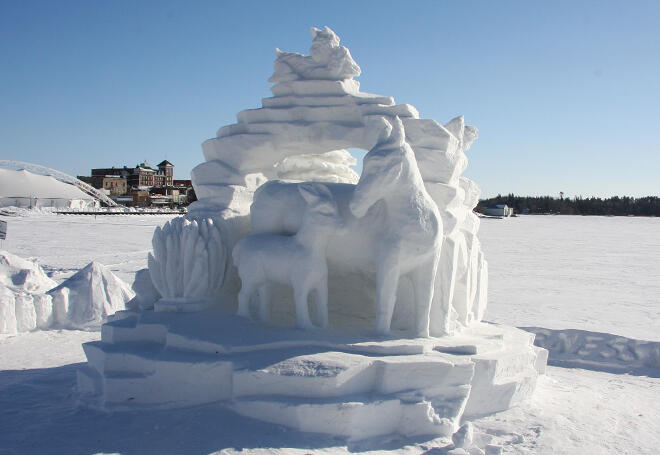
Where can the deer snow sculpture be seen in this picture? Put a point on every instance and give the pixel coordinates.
(298, 260)
(411, 234)
(392, 224)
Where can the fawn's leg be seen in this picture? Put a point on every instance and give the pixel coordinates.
(264, 302)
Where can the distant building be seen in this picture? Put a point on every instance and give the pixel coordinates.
(499, 210)
(167, 196)
(142, 185)
(112, 185)
(165, 174)
(141, 198)
(186, 191)
(141, 176)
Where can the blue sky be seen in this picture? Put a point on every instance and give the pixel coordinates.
(566, 94)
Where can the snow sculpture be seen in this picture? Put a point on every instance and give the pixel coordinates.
(408, 263)
(89, 297)
(401, 237)
(23, 304)
(297, 260)
(30, 300)
(328, 60)
(187, 266)
(313, 114)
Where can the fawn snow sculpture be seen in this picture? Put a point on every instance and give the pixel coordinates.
(298, 260)
(401, 235)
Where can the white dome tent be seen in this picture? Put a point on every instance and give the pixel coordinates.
(29, 185)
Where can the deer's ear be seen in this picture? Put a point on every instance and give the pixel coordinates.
(314, 192)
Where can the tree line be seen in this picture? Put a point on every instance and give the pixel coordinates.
(618, 206)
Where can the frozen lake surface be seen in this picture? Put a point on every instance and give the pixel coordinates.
(595, 274)
(591, 273)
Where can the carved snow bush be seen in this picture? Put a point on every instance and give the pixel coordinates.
(189, 259)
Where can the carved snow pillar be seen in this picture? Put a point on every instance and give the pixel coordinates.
(469, 229)
(439, 151)
(443, 313)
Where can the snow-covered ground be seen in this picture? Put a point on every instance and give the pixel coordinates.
(63, 244)
(596, 275)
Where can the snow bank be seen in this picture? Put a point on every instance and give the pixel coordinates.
(598, 351)
(88, 297)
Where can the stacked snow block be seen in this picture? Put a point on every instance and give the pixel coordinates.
(347, 386)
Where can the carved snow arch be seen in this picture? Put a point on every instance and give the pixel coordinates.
(314, 117)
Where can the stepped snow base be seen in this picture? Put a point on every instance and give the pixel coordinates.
(338, 384)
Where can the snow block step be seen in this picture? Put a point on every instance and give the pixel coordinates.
(124, 314)
(136, 357)
(333, 374)
(355, 417)
(352, 387)
(125, 330)
(89, 382)
(170, 384)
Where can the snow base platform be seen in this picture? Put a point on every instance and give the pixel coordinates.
(314, 381)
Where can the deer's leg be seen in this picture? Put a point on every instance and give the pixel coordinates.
(247, 289)
(264, 302)
(423, 279)
(321, 289)
(387, 282)
(441, 311)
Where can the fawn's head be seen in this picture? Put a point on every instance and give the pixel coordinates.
(322, 212)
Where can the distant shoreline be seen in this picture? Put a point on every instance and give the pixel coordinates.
(648, 206)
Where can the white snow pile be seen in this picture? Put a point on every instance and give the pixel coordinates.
(23, 304)
(88, 297)
(30, 300)
(333, 167)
